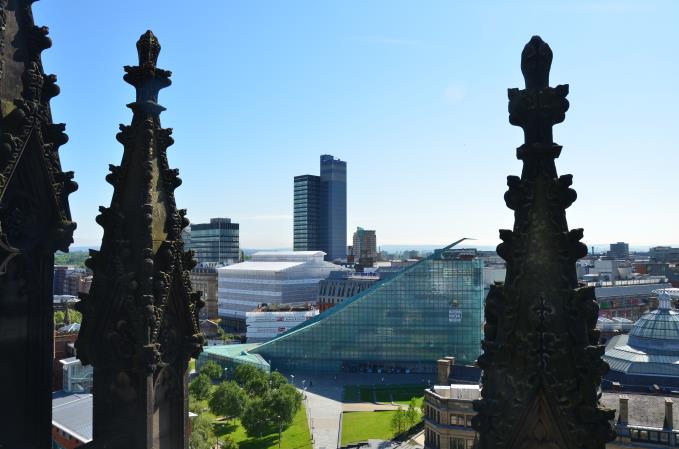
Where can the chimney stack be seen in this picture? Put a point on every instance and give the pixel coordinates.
(623, 411)
(444, 369)
(669, 415)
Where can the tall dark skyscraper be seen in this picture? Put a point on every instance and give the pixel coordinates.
(307, 214)
(333, 207)
(320, 211)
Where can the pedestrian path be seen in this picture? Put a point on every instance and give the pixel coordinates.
(324, 417)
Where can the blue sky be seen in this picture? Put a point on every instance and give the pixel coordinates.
(411, 94)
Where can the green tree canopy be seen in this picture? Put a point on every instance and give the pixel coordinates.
(228, 400)
(202, 434)
(282, 404)
(399, 422)
(200, 387)
(277, 380)
(257, 386)
(255, 420)
(212, 370)
(245, 372)
(413, 415)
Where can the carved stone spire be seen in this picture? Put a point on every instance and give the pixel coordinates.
(542, 363)
(35, 221)
(140, 320)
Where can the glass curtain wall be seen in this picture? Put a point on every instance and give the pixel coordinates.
(404, 324)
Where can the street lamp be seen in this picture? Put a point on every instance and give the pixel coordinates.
(280, 430)
(292, 376)
(226, 373)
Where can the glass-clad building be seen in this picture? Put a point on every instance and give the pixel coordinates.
(307, 226)
(401, 324)
(333, 207)
(649, 355)
(217, 241)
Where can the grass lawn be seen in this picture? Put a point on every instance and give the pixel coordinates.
(419, 401)
(296, 436)
(192, 365)
(361, 426)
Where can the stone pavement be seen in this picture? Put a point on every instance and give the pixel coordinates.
(324, 419)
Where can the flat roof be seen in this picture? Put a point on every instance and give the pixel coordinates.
(289, 253)
(261, 266)
(237, 352)
(72, 413)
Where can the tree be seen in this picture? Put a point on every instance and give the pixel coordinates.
(398, 421)
(202, 436)
(58, 317)
(200, 387)
(254, 418)
(283, 403)
(257, 386)
(413, 415)
(245, 372)
(228, 400)
(277, 380)
(227, 442)
(212, 370)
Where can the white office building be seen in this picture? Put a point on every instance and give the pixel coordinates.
(280, 277)
(265, 325)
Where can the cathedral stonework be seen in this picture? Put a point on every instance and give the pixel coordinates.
(140, 318)
(542, 362)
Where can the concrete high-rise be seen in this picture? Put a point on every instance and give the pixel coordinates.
(364, 247)
(320, 210)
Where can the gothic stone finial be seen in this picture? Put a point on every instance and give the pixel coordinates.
(536, 61)
(140, 318)
(542, 362)
(148, 49)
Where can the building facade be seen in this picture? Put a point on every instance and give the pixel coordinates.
(320, 210)
(307, 225)
(619, 250)
(403, 324)
(627, 300)
(204, 279)
(265, 324)
(216, 241)
(448, 414)
(282, 277)
(664, 254)
(333, 207)
(364, 248)
(341, 285)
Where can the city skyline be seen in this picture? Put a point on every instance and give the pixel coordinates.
(414, 99)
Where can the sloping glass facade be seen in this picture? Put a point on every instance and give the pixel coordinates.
(403, 324)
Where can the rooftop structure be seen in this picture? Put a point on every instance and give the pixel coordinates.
(403, 324)
(270, 277)
(230, 357)
(71, 418)
(649, 354)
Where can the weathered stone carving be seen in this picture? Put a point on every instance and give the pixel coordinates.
(35, 221)
(140, 320)
(542, 363)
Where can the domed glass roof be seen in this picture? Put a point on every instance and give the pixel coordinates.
(657, 331)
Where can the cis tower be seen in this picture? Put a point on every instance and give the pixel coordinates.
(320, 210)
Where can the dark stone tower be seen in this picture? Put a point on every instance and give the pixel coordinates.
(35, 221)
(140, 320)
(541, 364)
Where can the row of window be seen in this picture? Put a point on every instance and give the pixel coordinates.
(433, 440)
(456, 419)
